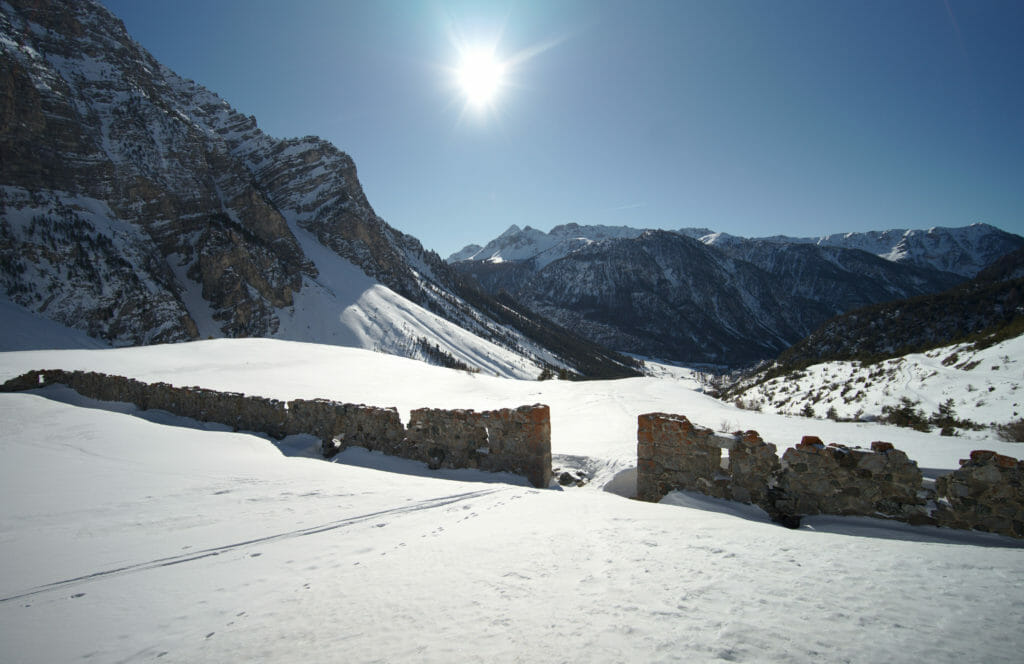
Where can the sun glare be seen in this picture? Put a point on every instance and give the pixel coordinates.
(480, 76)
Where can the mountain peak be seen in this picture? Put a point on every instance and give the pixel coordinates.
(512, 231)
(142, 208)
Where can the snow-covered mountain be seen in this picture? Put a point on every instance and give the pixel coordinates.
(964, 251)
(691, 296)
(991, 304)
(938, 360)
(140, 208)
(538, 247)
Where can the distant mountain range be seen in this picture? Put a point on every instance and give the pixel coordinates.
(697, 296)
(141, 208)
(964, 251)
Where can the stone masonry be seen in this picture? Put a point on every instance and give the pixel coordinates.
(836, 479)
(986, 493)
(516, 441)
(511, 440)
(751, 460)
(672, 453)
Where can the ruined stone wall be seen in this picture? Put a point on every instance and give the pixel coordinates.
(341, 425)
(511, 440)
(986, 493)
(516, 441)
(752, 464)
(672, 453)
(836, 479)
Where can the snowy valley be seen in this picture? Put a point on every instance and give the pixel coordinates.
(144, 536)
(149, 230)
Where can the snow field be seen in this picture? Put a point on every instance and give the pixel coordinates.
(134, 536)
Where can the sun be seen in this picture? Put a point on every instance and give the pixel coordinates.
(480, 76)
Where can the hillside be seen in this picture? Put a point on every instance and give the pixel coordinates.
(956, 387)
(990, 306)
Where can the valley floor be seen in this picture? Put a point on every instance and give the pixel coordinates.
(129, 536)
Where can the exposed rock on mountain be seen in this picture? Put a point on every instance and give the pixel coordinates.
(689, 295)
(820, 281)
(990, 307)
(142, 208)
(650, 295)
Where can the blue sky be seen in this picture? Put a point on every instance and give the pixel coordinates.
(754, 118)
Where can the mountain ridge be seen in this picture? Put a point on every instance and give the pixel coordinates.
(964, 250)
(142, 208)
(744, 301)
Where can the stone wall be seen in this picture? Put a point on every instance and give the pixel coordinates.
(511, 440)
(751, 460)
(986, 493)
(672, 453)
(516, 441)
(836, 479)
(341, 425)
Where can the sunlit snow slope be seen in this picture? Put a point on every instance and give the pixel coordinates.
(137, 536)
(983, 386)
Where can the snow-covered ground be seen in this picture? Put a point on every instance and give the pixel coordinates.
(138, 536)
(985, 386)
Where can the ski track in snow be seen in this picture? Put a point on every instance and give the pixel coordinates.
(433, 503)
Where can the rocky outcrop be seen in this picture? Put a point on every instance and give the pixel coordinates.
(113, 166)
(507, 440)
(813, 478)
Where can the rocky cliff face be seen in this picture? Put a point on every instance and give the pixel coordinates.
(142, 208)
(119, 179)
